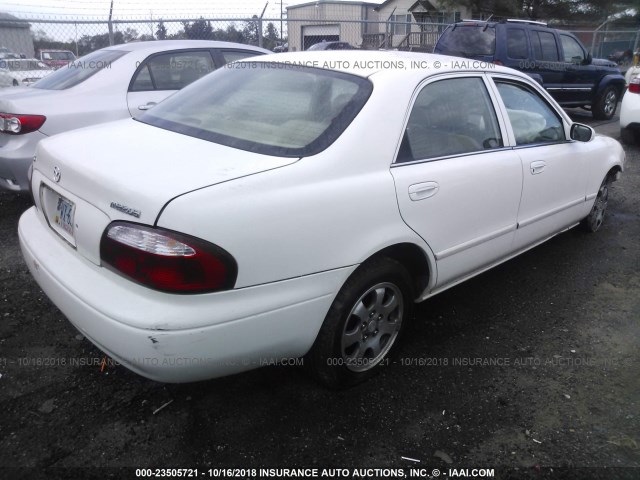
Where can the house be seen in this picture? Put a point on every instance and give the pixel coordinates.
(403, 24)
(413, 25)
(326, 20)
(15, 35)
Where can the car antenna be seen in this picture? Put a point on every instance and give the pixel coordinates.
(487, 24)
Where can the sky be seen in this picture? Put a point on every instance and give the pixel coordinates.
(130, 9)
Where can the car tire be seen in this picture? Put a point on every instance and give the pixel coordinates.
(605, 105)
(364, 323)
(629, 137)
(592, 222)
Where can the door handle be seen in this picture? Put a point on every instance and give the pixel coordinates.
(147, 106)
(420, 191)
(537, 167)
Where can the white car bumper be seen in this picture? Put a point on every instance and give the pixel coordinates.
(630, 110)
(178, 338)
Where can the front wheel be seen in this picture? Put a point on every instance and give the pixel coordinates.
(605, 105)
(593, 221)
(363, 324)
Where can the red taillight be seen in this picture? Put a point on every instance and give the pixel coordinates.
(16, 124)
(634, 85)
(498, 62)
(166, 260)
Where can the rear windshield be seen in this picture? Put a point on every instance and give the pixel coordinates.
(77, 72)
(467, 40)
(267, 108)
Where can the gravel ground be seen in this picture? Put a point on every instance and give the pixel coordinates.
(531, 369)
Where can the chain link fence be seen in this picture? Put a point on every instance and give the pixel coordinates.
(51, 40)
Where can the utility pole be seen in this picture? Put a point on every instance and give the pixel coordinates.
(111, 24)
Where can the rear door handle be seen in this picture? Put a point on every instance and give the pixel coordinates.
(537, 167)
(147, 106)
(420, 191)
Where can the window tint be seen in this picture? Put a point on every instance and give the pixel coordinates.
(80, 70)
(517, 43)
(172, 71)
(450, 117)
(261, 108)
(532, 120)
(545, 46)
(468, 40)
(572, 50)
(233, 55)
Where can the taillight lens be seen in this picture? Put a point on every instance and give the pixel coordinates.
(165, 260)
(16, 124)
(634, 85)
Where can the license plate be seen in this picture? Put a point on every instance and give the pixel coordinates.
(59, 212)
(64, 213)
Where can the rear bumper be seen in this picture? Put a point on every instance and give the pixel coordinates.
(16, 155)
(630, 110)
(178, 338)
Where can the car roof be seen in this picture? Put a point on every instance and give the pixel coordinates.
(365, 63)
(161, 45)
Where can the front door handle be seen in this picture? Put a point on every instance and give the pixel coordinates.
(420, 191)
(537, 167)
(147, 106)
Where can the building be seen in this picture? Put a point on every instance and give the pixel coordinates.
(403, 24)
(15, 35)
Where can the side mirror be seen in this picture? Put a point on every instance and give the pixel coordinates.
(588, 60)
(581, 133)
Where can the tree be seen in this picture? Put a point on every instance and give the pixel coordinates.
(271, 37)
(250, 31)
(199, 30)
(161, 32)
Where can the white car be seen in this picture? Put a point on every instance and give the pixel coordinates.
(630, 112)
(109, 84)
(299, 204)
(15, 72)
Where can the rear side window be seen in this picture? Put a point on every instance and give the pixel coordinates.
(545, 46)
(172, 71)
(265, 108)
(517, 43)
(450, 117)
(233, 55)
(468, 40)
(80, 70)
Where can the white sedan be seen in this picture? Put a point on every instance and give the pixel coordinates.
(15, 72)
(109, 84)
(630, 112)
(299, 205)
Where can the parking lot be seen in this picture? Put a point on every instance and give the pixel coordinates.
(532, 365)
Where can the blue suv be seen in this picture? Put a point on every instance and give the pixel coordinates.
(555, 58)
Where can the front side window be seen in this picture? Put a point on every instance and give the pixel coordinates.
(172, 71)
(532, 119)
(450, 117)
(573, 52)
(77, 72)
(266, 108)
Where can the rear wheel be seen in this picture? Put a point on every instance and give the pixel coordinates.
(593, 221)
(363, 324)
(605, 105)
